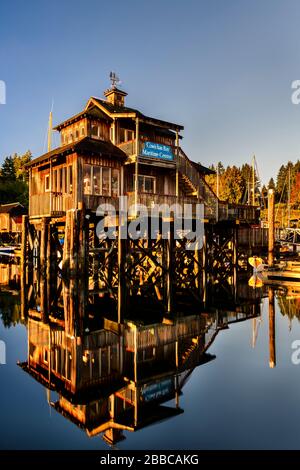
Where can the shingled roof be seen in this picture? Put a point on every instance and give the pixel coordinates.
(12, 207)
(86, 146)
(115, 109)
(92, 112)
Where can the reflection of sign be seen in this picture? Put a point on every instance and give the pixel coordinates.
(153, 150)
(157, 390)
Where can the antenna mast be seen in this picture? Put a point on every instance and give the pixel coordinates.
(289, 197)
(253, 180)
(50, 125)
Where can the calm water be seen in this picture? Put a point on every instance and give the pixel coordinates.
(204, 380)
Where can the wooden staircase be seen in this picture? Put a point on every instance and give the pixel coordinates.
(187, 187)
(192, 184)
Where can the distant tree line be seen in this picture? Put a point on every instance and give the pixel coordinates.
(14, 179)
(236, 184)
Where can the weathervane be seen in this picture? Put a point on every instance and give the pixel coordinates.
(114, 79)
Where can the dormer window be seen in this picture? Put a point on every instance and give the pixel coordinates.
(95, 131)
(47, 183)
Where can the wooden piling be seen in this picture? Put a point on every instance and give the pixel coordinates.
(204, 268)
(121, 278)
(272, 346)
(271, 222)
(169, 269)
(23, 266)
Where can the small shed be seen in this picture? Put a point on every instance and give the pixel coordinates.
(11, 217)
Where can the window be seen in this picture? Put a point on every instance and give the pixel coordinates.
(55, 180)
(95, 131)
(71, 137)
(59, 180)
(45, 356)
(63, 184)
(122, 135)
(77, 134)
(105, 181)
(115, 182)
(87, 179)
(97, 180)
(82, 131)
(101, 181)
(146, 184)
(130, 135)
(126, 135)
(70, 180)
(47, 182)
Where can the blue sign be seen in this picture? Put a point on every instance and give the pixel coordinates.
(157, 390)
(153, 150)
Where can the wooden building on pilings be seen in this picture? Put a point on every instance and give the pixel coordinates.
(110, 150)
(11, 222)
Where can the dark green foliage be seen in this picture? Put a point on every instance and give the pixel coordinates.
(13, 179)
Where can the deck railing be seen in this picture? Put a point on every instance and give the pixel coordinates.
(167, 203)
(50, 203)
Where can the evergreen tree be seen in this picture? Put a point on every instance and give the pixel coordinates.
(8, 172)
(271, 184)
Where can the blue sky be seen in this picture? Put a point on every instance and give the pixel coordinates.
(221, 68)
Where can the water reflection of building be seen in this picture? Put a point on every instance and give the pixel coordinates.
(113, 377)
(10, 274)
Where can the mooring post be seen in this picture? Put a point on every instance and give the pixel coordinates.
(43, 247)
(122, 301)
(23, 266)
(271, 223)
(204, 267)
(169, 266)
(235, 259)
(272, 348)
(48, 266)
(43, 261)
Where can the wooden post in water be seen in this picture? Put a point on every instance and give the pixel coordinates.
(204, 268)
(121, 270)
(43, 260)
(235, 259)
(272, 348)
(23, 265)
(271, 222)
(169, 244)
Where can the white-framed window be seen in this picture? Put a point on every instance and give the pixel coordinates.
(47, 183)
(146, 184)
